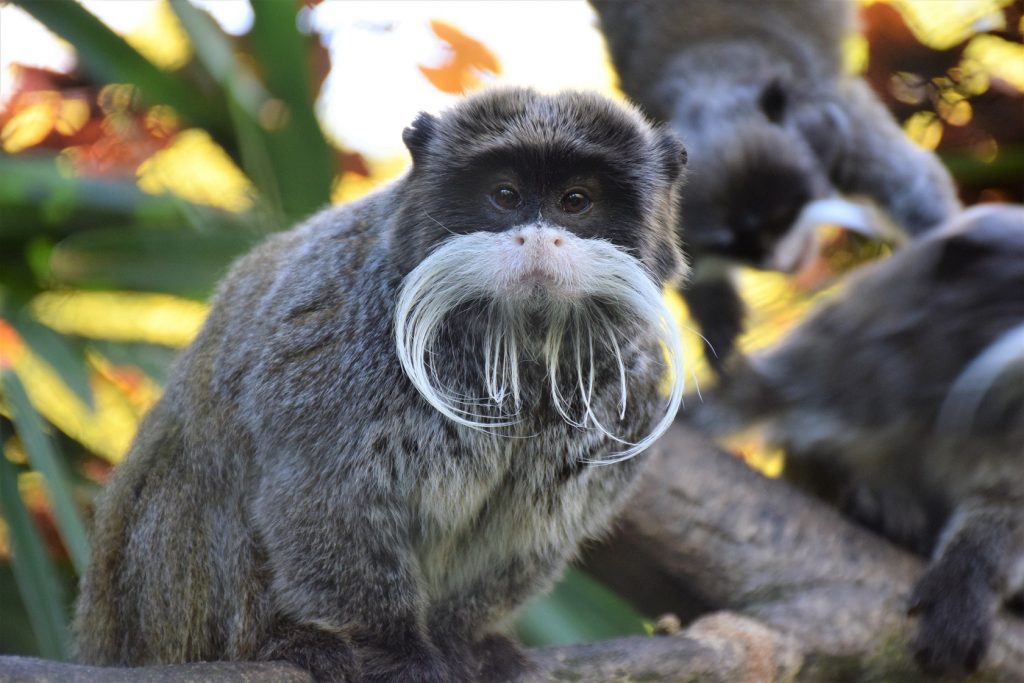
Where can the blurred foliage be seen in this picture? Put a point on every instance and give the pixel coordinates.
(129, 184)
(959, 91)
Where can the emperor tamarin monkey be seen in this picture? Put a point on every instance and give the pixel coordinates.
(903, 402)
(757, 91)
(402, 417)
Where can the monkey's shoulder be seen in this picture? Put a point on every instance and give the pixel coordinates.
(303, 309)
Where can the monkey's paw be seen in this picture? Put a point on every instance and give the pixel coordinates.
(501, 659)
(327, 656)
(415, 659)
(954, 621)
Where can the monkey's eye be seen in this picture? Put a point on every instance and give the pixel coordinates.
(576, 201)
(506, 197)
(773, 101)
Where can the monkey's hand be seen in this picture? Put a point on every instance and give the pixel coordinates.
(954, 607)
(327, 655)
(879, 161)
(501, 659)
(489, 658)
(406, 656)
(898, 515)
(974, 569)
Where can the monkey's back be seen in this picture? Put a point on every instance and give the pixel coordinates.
(177, 571)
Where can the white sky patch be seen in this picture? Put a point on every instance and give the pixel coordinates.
(234, 16)
(374, 89)
(26, 41)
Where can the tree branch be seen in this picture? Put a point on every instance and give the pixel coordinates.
(802, 594)
(704, 531)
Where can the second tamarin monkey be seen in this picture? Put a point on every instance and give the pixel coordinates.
(757, 91)
(902, 402)
(402, 417)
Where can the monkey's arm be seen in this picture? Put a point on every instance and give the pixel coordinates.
(976, 566)
(878, 160)
(718, 309)
(344, 578)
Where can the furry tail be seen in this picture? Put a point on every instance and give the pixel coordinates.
(1004, 356)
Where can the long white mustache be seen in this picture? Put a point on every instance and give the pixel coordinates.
(601, 277)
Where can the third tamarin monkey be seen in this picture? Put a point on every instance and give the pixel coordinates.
(902, 402)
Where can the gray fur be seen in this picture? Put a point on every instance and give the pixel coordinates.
(293, 497)
(859, 397)
(756, 90)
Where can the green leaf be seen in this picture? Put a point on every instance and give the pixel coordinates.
(34, 573)
(44, 459)
(578, 610)
(36, 197)
(107, 57)
(63, 355)
(298, 149)
(178, 262)
(16, 632)
(245, 97)
(152, 359)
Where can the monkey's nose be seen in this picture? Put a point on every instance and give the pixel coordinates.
(538, 237)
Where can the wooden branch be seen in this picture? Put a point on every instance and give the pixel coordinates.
(707, 532)
(788, 590)
(31, 670)
(721, 649)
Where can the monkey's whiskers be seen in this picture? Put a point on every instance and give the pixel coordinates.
(573, 287)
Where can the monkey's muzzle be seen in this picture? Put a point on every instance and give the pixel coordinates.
(539, 259)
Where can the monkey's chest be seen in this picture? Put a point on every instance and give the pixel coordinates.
(517, 512)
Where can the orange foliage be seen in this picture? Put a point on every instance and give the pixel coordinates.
(11, 346)
(467, 57)
(130, 381)
(100, 132)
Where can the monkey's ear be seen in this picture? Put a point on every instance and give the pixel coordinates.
(774, 100)
(417, 136)
(672, 152)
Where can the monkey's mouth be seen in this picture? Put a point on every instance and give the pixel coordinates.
(536, 285)
(538, 276)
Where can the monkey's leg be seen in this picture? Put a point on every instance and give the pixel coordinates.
(976, 566)
(344, 579)
(717, 308)
(489, 600)
(891, 511)
(878, 160)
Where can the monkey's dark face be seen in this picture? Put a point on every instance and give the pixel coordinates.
(753, 172)
(545, 227)
(577, 163)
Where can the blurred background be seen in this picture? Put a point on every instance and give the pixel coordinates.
(144, 144)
